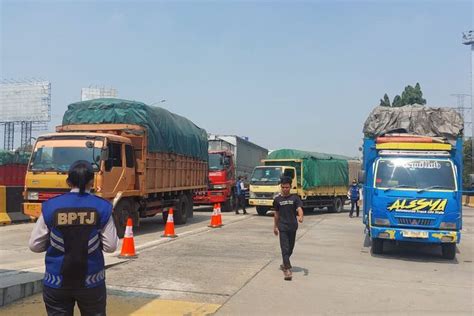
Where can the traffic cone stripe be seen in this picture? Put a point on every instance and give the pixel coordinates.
(128, 232)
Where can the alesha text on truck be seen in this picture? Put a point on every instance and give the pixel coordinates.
(412, 175)
(146, 159)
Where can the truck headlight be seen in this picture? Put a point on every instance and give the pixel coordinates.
(32, 196)
(381, 222)
(219, 186)
(447, 225)
(252, 195)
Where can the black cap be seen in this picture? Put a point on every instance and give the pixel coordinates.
(85, 163)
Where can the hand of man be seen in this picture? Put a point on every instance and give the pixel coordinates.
(275, 230)
(300, 219)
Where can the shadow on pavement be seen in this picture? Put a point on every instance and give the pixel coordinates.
(299, 269)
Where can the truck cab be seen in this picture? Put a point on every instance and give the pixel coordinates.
(111, 156)
(265, 185)
(221, 180)
(413, 191)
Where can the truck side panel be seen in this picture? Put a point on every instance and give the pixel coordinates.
(171, 172)
(248, 156)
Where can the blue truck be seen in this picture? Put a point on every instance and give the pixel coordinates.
(413, 188)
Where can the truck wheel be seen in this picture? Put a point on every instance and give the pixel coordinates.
(377, 246)
(190, 210)
(121, 214)
(448, 251)
(336, 206)
(262, 210)
(180, 215)
(339, 205)
(229, 205)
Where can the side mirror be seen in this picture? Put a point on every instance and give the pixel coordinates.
(361, 176)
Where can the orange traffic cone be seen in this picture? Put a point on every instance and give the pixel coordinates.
(169, 227)
(219, 215)
(128, 245)
(214, 218)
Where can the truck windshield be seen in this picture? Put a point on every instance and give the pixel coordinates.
(60, 158)
(418, 174)
(216, 162)
(266, 175)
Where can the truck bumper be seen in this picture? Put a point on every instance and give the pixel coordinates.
(32, 209)
(210, 198)
(260, 202)
(415, 235)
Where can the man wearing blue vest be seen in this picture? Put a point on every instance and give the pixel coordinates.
(354, 195)
(240, 186)
(74, 229)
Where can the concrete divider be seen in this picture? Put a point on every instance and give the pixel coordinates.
(4, 218)
(11, 200)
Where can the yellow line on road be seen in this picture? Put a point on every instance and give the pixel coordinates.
(120, 306)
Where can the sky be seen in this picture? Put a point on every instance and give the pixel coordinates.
(285, 74)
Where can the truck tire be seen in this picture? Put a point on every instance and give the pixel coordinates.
(337, 206)
(262, 210)
(180, 215)
(377, 246)
(448, 251)
(120, 215)
(229, 205)
(190, 210)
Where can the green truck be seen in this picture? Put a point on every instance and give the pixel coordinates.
(320, 180)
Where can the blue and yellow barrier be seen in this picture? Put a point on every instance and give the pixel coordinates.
(10, 205)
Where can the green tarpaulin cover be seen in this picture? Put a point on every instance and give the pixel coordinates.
(319, 169)
(167, 132)
(9, 157)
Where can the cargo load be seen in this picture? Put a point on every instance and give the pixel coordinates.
(414, 119)
(167, 132)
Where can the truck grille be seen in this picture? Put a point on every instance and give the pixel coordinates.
(264, 195)
(415, 221)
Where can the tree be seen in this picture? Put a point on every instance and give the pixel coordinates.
(410, 95)
(397, 101)
(385, 101)
(468, 164)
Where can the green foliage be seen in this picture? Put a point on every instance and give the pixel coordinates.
(385, 101)
(467, 162)
(410, 95)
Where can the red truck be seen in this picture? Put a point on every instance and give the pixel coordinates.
(230, 156)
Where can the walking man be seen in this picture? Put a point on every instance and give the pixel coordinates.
(288, 212)
(240, 195)
(354, 195)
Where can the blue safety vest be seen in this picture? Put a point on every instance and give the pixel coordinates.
(354, 192)
(74, 258)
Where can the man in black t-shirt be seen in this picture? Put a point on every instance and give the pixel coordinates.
(288, 212)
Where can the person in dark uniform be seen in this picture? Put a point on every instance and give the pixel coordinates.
(74, 229)
(354, 195)
(288, 212)
(240, 185)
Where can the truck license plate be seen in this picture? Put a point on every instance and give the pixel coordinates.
(414, 234)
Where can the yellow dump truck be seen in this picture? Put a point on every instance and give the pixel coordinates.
(320, 180)
(146, 159)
